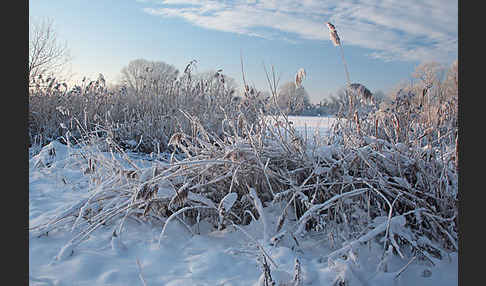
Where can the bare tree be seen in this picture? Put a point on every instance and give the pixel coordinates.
(431, 77)
(292, 99)
(143, 75)
(428, 73)
(47, 56)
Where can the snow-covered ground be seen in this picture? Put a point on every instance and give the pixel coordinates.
(309, 125)
(228, 257)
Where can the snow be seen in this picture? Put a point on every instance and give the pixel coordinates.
(227, 257)
(307, 126)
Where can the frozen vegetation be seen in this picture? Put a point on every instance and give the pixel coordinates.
(245, 212)
(190, 183)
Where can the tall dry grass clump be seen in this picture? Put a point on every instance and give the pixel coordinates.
(352, 187)
(143, 122)
(422, 115)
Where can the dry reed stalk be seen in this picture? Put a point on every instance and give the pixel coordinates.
(396, 123)
(140, 275)
(457, 153)
(376, 128)
(268, 281)
(297, 281)
(405, 267)
(358, 125)
(337, 42)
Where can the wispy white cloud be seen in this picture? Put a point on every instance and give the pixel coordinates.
(412, 30)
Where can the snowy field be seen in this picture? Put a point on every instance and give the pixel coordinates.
(309, 126)
(203, 257)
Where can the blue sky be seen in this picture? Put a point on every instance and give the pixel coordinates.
(383, 41)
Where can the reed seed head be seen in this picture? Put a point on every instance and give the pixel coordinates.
(330, 26)
(299, 77)
(333, 34)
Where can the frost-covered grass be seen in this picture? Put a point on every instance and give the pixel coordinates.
(263, 203)
(142, 121)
